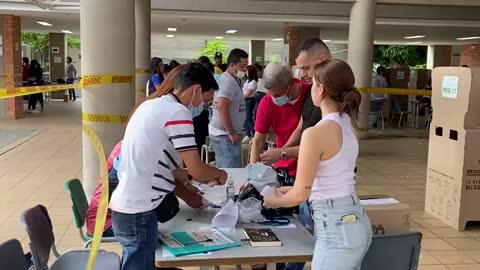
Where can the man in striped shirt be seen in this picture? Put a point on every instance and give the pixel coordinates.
(158, 137)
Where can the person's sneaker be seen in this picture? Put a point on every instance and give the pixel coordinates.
(246, 140)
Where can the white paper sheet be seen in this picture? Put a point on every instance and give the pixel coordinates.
(227, 217)
(379, 201)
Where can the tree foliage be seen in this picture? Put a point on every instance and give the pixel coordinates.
(274, 58)
(212, 47)
(37, 41)
(73, 42)
(399, 55)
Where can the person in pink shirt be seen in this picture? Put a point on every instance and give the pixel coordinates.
(92, 209)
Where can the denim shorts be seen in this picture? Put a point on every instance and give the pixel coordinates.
(343, 232)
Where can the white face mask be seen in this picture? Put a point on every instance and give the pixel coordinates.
(240, 74)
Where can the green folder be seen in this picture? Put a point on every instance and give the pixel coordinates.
(196, 241)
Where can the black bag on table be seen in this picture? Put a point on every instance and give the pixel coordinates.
(283, 179)
(168, 208)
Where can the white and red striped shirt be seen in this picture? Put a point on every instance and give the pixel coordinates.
(158, 130)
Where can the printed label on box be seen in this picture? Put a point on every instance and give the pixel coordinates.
(450, 87)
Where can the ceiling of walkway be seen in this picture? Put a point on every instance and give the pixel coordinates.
(441, 21)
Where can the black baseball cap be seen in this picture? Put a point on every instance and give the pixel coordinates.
(218, 55)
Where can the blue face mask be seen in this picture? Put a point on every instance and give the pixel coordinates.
(281, 101)
(196, 110)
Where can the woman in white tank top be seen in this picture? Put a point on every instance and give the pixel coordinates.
(325, 175)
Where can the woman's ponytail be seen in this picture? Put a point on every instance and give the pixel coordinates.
(350, 103)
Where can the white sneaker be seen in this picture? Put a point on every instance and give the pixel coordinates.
(246, 140)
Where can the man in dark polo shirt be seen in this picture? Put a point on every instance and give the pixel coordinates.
(311, 52)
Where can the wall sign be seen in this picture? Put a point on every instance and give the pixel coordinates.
(55, 50)
(450, 87)
(400, 75)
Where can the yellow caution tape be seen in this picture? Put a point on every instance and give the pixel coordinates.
(359, 129)
(103, 203)
(396, 91)
(28, 90)
(87, 81)
(104, 118)
(142, 71)
(102, 79)
(10, 75)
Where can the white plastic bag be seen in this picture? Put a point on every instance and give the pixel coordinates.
(250, 210)
(261, 175)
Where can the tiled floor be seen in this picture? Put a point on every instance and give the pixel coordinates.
(35, 172)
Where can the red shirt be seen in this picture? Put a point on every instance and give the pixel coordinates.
(92, 209)
(24, 72)
(283, 120)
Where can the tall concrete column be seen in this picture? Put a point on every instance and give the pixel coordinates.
(360, 54)
(108, 47)
(143, 11)
(431, 57)
(257, 52)
(58, 53)
(294, 37)
(11, 65)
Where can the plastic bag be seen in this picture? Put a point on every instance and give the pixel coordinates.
(250, 210)
(261, 175)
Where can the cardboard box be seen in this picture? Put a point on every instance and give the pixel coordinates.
(388, 218)
(453, 174)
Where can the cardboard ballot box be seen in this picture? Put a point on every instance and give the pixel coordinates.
(386, 214)
(453, 174)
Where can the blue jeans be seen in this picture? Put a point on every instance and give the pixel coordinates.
(249, 121)
(227, 155)
(305, 218)
(138, 235)
(341, 244)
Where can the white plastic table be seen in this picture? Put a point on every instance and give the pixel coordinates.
(298, 243)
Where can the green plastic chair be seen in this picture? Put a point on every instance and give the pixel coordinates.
(79, 207)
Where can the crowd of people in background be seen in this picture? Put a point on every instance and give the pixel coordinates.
(33, 75)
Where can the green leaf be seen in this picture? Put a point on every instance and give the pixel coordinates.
(73, 42)
(212, 47)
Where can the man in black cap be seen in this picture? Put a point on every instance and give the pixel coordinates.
(219, 66)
